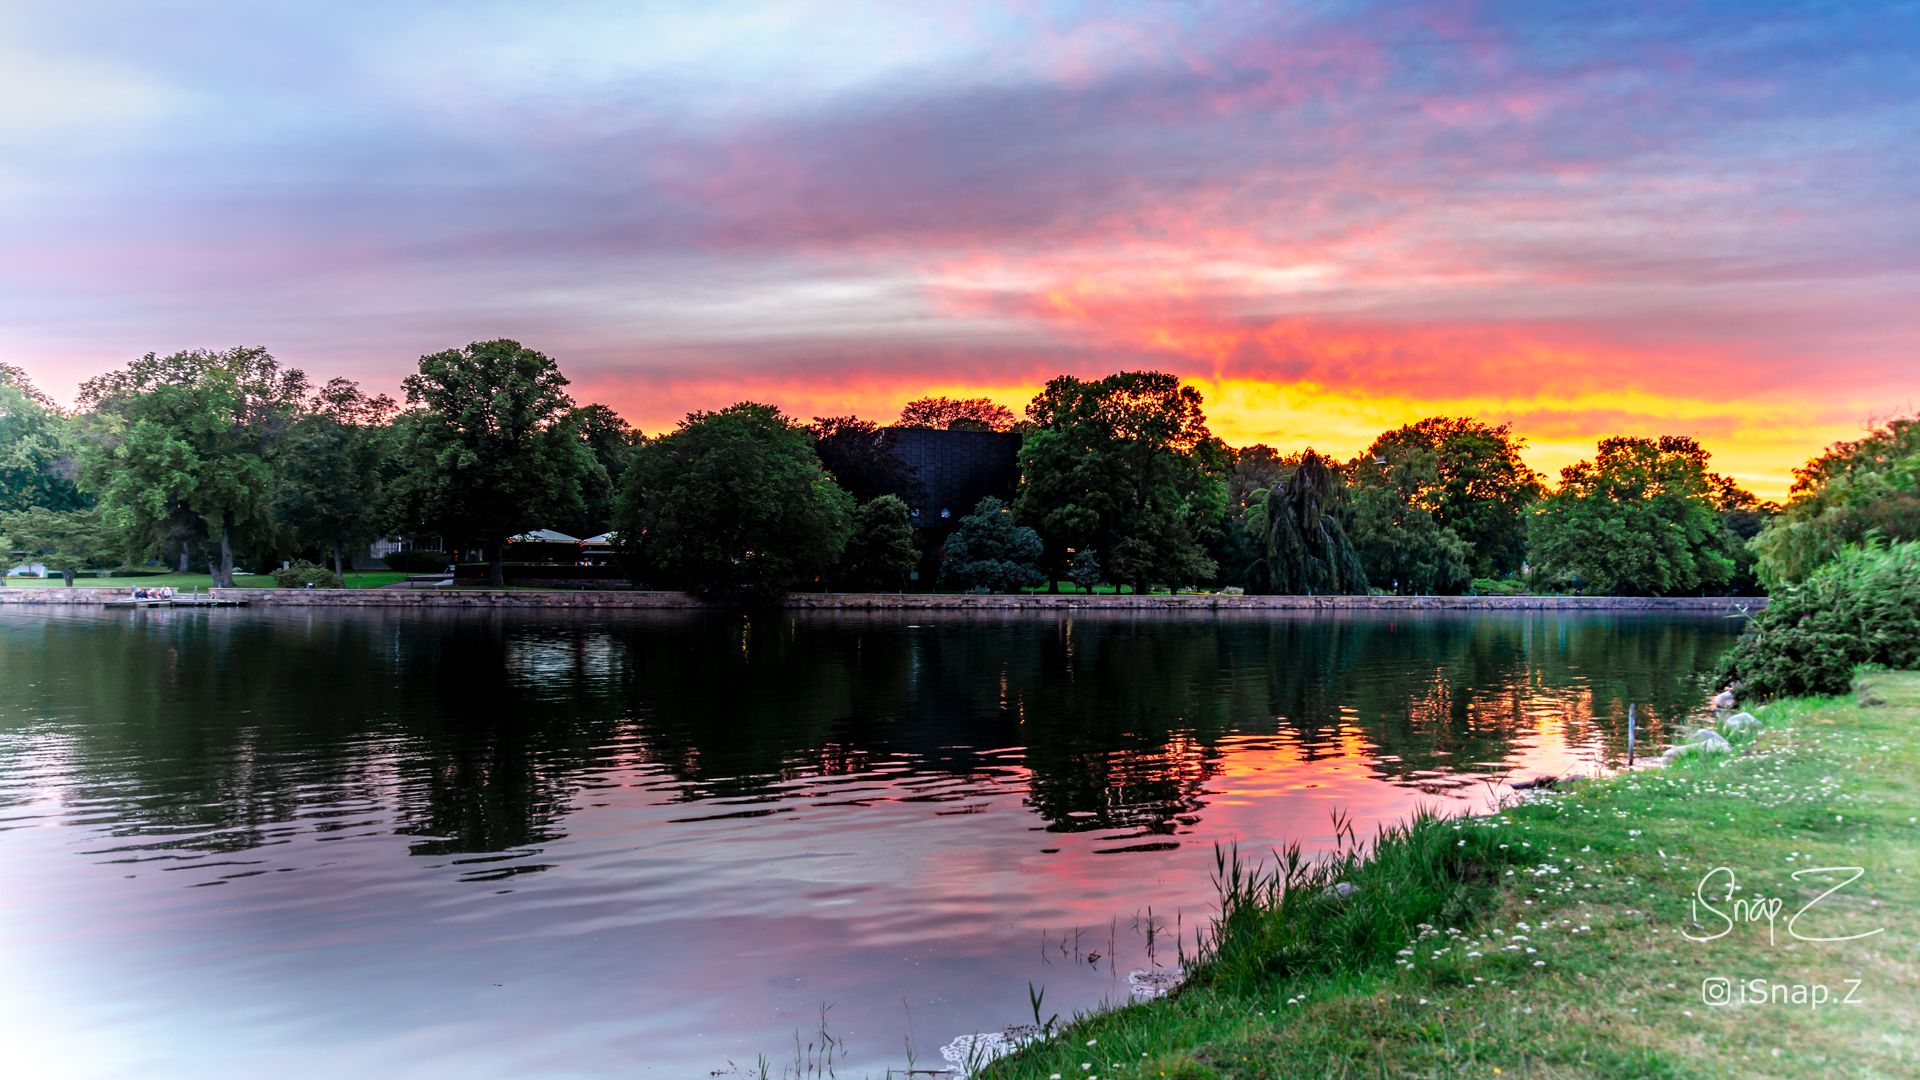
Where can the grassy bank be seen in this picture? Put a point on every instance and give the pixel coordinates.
(1549, 940)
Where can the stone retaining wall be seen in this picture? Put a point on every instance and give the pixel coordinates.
(55, 595)
(507, 598)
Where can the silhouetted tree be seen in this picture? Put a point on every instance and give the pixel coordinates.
(860, 456)
(971, 414)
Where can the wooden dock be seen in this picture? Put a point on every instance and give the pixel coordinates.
(191, 601)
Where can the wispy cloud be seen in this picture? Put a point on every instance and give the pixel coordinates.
(1334, 215)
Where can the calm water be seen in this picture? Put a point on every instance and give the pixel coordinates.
(237, 843)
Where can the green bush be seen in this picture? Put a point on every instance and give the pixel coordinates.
(1861, 608)
(989, 553)
(417, 561)
(1085, 571)
(1498, 586)
(303, 573)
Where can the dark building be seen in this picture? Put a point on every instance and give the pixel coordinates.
(956, 469)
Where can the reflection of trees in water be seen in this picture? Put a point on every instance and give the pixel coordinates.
(518, 723)
(1459, 693)
(219, 734)
(1120, 718)
(1428, 696)
(478, 731)
(165, 734)
(734, 706)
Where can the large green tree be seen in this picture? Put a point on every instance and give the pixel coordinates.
(491, 452)
(733, 504)
(1400, 538)
(880, 552)
(1471, 480)
(1124, 465)
(1640, 519)
(37, 465)
(1867, 487)
(1302, 520)
(332, 486)
(190, 442)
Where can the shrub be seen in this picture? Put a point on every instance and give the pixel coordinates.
(304, 573)
(417, 561)
(1498, 586)
(989, 553)
(1861, 608)
(1085, 571)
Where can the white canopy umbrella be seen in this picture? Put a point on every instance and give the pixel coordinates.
(542, 536)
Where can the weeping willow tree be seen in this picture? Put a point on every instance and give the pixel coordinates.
(1301, 519)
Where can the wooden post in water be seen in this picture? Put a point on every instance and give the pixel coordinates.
(1629, 736)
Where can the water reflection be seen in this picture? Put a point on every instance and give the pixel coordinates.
(483, 726)
(477, 731)
(776, 797)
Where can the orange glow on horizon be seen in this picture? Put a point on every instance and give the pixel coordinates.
(1293, 380)
(1759, 443)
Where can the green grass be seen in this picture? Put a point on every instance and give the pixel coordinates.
(355, 579)
(1547, 940)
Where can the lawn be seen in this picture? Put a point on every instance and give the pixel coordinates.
(1552, 939)
(355, 579)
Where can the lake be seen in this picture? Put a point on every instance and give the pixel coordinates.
(315, 842)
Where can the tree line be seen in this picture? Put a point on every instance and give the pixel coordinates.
(207, 457)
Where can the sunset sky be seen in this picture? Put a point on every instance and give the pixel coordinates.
(1334, 218)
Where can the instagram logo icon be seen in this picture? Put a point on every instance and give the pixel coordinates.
(1716, 990)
